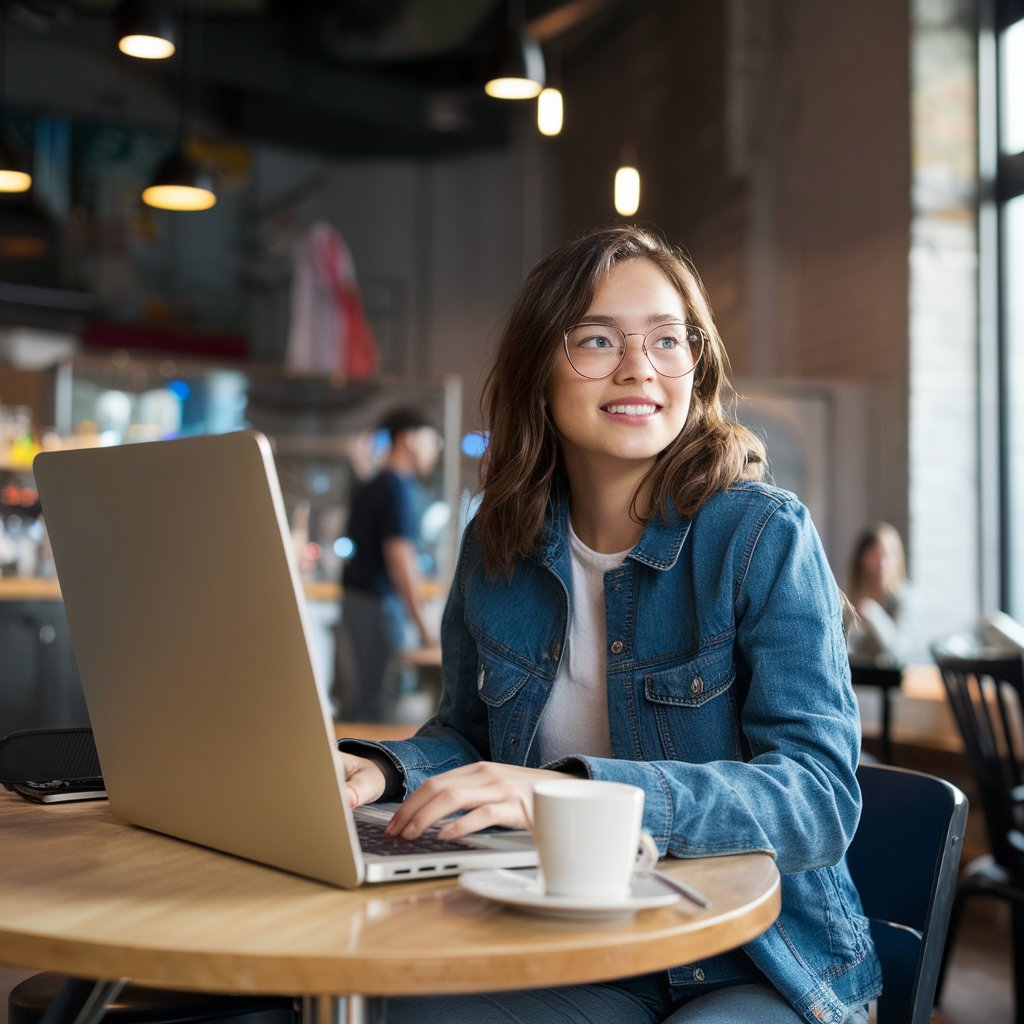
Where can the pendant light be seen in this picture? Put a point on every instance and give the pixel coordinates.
(627, 190)
(145, 29)
(15, 175)
(550, 104)
(515, 70)
(180, 183)
(550, 111)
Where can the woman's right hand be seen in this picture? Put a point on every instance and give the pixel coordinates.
(364, 781)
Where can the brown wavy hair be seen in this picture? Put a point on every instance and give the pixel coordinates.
(523, 465)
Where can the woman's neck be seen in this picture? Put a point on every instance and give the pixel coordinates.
(600, 508)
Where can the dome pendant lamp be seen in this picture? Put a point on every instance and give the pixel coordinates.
(14, 173)
(14, 169)
(515, 70)
(145, 29)
(180, 184)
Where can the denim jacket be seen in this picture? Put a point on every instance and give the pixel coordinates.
(729, 703)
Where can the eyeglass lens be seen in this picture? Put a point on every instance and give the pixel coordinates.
(595, 350)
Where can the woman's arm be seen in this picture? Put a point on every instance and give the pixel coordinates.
(795, 795)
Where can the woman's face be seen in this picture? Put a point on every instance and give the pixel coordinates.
(879, 561)
(635, 413)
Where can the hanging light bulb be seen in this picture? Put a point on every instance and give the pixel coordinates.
(14, 169)
(549, 111)
(515, 70)
(180, 184)
(627, 191)
(14, 174)
(145, 29)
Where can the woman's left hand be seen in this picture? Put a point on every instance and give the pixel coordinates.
(489, 793)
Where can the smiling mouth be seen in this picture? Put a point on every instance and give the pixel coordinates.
(631, 409)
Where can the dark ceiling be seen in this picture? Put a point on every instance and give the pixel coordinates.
(382, 78)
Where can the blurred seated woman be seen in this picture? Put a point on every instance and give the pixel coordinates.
(885, 630)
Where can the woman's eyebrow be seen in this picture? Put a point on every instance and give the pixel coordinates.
(653, 320)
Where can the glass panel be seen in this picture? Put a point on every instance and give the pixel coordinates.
(1013, 299)
(1011, 97)
(320, 427)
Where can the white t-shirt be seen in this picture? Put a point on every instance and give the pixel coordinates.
(575, 720)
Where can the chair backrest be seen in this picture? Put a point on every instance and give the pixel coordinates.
(904, 860)
(986, 692)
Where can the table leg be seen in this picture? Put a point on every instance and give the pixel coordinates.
(83, 1002)
(352, 1009)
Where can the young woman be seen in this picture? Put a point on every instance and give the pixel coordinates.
(632, 603)
(885, 631)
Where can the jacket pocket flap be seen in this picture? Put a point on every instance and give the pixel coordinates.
(498, 680)
(692, 683)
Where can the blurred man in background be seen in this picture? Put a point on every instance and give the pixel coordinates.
(382, 611)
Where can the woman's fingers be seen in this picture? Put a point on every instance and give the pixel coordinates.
(489, 794)
(364, 781)
(437, 799)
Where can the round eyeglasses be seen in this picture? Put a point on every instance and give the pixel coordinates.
(595, 350)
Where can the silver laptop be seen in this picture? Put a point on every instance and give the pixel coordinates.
(189, 627)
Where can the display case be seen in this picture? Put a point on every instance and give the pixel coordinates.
(322, 430)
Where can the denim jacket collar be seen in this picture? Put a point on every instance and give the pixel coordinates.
(658, 547)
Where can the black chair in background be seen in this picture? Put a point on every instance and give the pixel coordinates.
(51, 997)
(986, 692)
(886, 679)
(904, 860)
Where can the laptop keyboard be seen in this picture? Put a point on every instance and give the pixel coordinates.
(373, 840)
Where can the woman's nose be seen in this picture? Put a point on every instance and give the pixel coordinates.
(635, 365)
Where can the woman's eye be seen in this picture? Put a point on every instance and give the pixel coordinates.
(667, 342)
(596, 341)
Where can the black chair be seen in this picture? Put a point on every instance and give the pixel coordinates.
(904, 860)
(887, 679)
(58, 998)
(985, 688)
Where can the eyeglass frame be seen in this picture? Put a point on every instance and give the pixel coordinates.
(643, 345)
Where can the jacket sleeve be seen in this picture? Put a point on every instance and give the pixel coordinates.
(458, 733)
(796, 795)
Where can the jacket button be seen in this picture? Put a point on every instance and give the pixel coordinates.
(697, 685)
(617, 647)
(698, 974)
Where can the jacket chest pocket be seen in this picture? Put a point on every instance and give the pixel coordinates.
(498, 682)
(693, 707)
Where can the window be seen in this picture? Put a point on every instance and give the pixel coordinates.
(1009, 199)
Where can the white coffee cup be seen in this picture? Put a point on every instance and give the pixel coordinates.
(589, 838)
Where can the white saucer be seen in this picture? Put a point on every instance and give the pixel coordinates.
(522, 889)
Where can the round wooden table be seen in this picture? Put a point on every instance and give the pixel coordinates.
(87, 895)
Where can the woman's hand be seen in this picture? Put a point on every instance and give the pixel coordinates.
(489, 793)
(364, 781)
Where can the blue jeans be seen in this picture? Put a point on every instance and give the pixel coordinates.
(647, 999)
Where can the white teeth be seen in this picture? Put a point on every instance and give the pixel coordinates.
(632, 410)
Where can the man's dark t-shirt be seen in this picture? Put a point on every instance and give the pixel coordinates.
(385, 507)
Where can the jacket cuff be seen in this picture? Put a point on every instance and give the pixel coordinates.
(570, 765)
